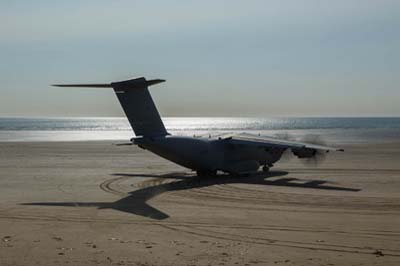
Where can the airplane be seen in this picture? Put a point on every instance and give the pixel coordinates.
(235, 154)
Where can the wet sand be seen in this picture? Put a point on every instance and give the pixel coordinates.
(93, 203)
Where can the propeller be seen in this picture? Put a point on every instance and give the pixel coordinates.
(287, 154)
(319, 155)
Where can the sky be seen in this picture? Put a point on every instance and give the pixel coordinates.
(220, 58)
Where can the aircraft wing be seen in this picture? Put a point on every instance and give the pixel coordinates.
(263, 141)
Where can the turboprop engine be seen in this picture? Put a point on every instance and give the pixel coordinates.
(304, 152)
(310, 156)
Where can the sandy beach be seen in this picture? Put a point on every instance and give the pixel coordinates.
(94, 203)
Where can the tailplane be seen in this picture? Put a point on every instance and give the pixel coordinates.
(137, 103)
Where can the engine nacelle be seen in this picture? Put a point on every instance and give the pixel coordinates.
(304, 152)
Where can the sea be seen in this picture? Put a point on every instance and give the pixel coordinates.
(332, 130)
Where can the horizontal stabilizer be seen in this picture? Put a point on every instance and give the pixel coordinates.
(84, 85)
(138, 83)
(137, 103)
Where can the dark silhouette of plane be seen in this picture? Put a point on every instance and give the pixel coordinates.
(136, 201)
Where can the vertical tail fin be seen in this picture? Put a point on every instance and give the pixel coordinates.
(137, 103)
(139, 107)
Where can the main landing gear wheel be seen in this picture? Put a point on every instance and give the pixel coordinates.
(265, 168)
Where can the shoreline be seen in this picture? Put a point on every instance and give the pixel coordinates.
(330, 136)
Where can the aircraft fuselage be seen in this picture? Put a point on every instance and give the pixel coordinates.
(210, 155)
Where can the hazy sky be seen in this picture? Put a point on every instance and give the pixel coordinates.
(220, 58)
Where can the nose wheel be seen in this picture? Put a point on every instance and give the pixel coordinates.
(265, 168)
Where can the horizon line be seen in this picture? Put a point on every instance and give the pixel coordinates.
(217, 117)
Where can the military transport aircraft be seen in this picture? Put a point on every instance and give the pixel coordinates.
(236, 154)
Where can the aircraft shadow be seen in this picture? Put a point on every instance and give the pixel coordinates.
(136, 201)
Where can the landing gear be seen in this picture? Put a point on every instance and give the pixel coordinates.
(265, 168)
